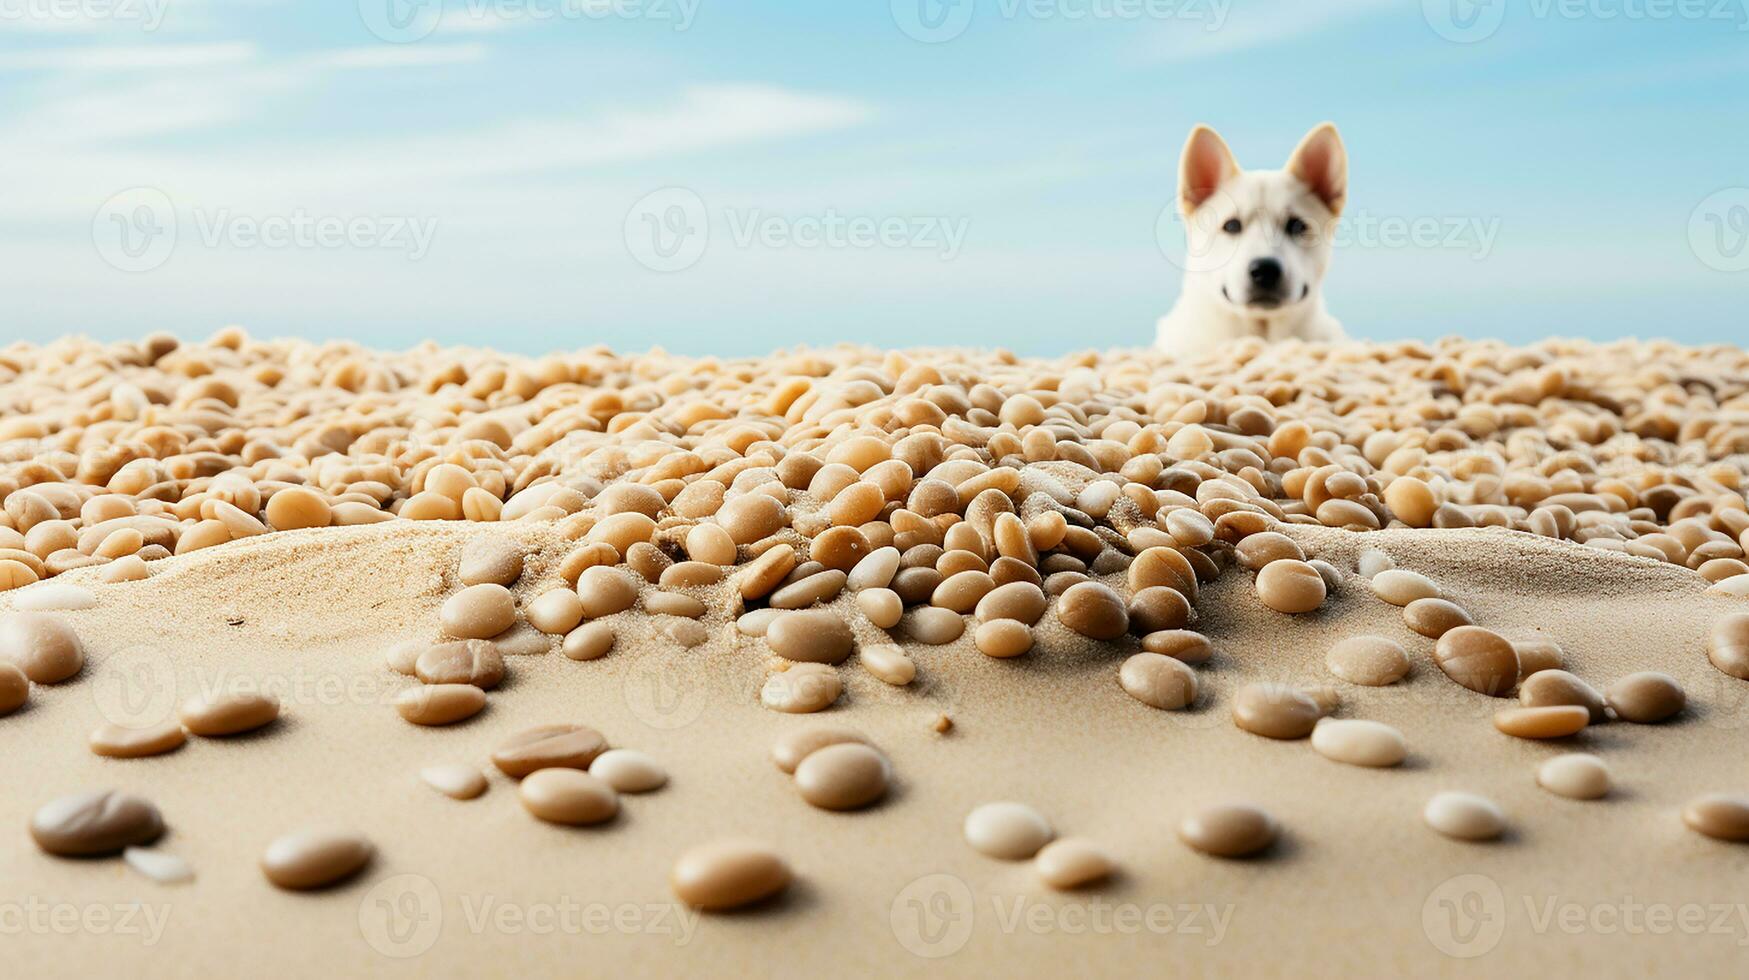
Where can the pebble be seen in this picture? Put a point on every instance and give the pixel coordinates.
(14, 688)
(121, 742)
(1537, 655)
(522, 640)
(1359, 742)
(1373, 561)
(1479, 659)
(1258, 551)
(440, 704)
(93, 823)
(875, 570)
(1010, 831)
(1093, 610)
(43, 646)
(1400, 586)
(1646, 698)
(751, 517)
(1728, 646)
(628, 771)
(490, 560)
(457, 782)
(845, 776)
(1552, 721)
(1158, 681)
(403, 657)
(803, 689)
(789, 750)
(1022, 601)
(819, 636)
(1720, 816)
(591, 641)
(728, 874)
(1576, 775)
(690, 575)
(473, 662)
(315, 859)
(882, 606)
(160, 866)
(1464, 816)
(1370, 661)
(228, 714)
(1229, 830)
(1433, 618)
(1186, 645)
(1288, 585)
(821, 586)
(1275, 711)
(568, 796)
(1072, 862)
(555, 612)
(547, 747)
(605, 590)
(53, 596)
(478, 612)
(1003, 638)
(888, 663)
(1157, 608)
(757, 622)
(1547, 688)
(934, 626)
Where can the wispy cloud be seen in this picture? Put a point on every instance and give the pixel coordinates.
(1261, 23)
(409, 56)
(129, 57)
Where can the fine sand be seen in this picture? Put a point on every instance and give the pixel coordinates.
(1357, 886)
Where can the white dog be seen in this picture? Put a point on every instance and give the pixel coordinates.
(1257, 244)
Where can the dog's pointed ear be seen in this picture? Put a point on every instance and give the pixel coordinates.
(1207, 164)
(1321, 163)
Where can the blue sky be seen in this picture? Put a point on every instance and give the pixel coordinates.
(731, 177)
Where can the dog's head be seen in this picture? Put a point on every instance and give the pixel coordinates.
(1259, 241)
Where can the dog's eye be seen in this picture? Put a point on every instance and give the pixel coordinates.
(1295, 227)
(1232, 227)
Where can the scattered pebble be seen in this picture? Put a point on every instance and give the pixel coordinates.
(41, 645)
(457, 782)
(1550, 721)
(1575, 775)
(1359, 742)
(440, 704)
(315, 859)
(728, 874)
(568, 796)
(1464, 816)
(1229, 830)
(1646, 698)
(160, 866)
(95, 823)
(628, 771)
(121, 742)
(1275, 711)
(933, 626)
(1158, 681)
(1546, 688)
(1003, 639)
(1072, 862)
(1433, 618)
(811, 636)
(1479, 659)
(489, 560)
(546, 747)
(802, 689)
(843, 776)
(590, 641)
(1010, 831)
(478, 612)
(1370, 661)
(888, 663)
(1400, 586)
(221, 715)
(1728, 646)
(14, 688)
(1291, 586)
(1720, 816)
(791, 749)
(473, 662)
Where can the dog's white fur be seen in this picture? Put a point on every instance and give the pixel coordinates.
(1221, 301)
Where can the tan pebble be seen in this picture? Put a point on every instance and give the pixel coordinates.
(1230, 830)
(121, 742)
(454, 781)
(1359, 742)
(163, 868)
(750, 517)
(1186, 645)
(1728, 645)
(942, 724)
(757, 622)
(822, 586)
(1275, 711)
(1412, 500)
(883, 607)
(1373, 561)
(556, 612)
(888, 663)
(845, 776)
(1400, 586)
(628, 771)
(839, 548)
(1003, 638)
(546, 747)
(1021, 601)
(710, 544)
(1009, 831)
(521, 640)
(1554, 721)
(1158, 681)
(811, 636)
(1433, 618)
(687, 633)
(674, 604)
(1093, 610)
(803, 689)
(1479, 659)
(403, 657)
(1735, 585)
(474, 662)
(1720, 816)
(1536, 655)
(94, 823)
(1464, 816)
(690, 575)
(14, 688)
(297, 507)
(875, 570)
(1576, 775)
(1159, 608)
(1290, 586)
(605, 590)
(934, 626)
(590, 641)
(1546, 688)
(490, 560)
(1370, 661)
(42, 645)
(789, 750)
(568, 796)
(440, 704)
(315, 859)
(478, 612)
(228, 714)
(1259, 550)
(728, 874)
(1646, 698)
(1072, 862)
(128, 568)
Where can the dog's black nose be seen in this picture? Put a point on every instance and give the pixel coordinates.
(1265, 273)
